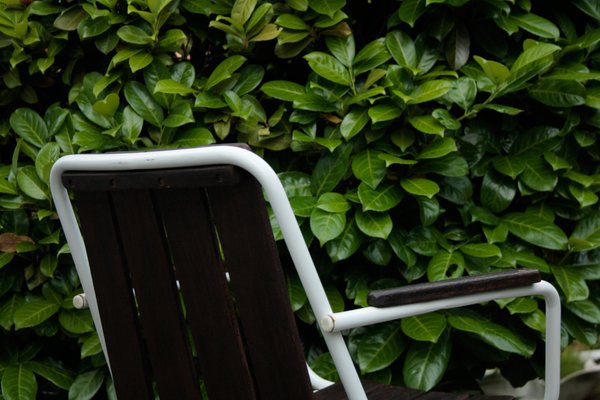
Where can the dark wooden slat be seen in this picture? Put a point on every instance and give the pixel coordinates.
(202, 278)
(428, 291)
(158, 299)
(376, 391)
(260, 290)
(129, 366)
(151, 179)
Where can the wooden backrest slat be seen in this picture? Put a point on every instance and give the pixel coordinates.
(157, 295)
(151, 179)
(125, 347)
(204, 287)
(259, 285)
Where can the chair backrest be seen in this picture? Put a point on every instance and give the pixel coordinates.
(161, 246)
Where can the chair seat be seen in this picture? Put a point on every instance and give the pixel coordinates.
(376, 391)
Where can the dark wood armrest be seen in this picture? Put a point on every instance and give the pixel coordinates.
(453, 287)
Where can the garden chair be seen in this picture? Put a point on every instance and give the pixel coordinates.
(180, 270)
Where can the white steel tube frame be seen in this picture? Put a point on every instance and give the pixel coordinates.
(331, 324)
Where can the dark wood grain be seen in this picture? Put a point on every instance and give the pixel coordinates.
(260, 290)
(376, 391)
(210, 312)
(157, 296)
(428, 291)
(151, 179)
(126, 351)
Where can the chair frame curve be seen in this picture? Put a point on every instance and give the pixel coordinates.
(331, 324)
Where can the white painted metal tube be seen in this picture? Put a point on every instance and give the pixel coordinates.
(337, 322)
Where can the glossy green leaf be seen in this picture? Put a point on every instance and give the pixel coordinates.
(374, 224)
(571, 282)
(354, 122)
(538, 140)
(86, 385)
(330, 170)
(296, 291)
(380, 347)
(329, 68)
(420, 187)
(7, 310)
(46, 157)
(327, 225)
(397, 240)
(586, 310)
(427, 124)
(497, 192)
(458, 44)
(536, 231)
(134, 35)
(140, 61)
(444, 265)
(481, 250)
(346, 244)
(369, 168)
(172, 87)
(538, 175)
(556, 162)
(558, 93)
(34, 313)
(402, 48)
(332, 202)
(323, 365)
(28, 125)
(342, 48)
(494, 70)
(143, 103)
(510, 166)
(438, 148)
(384, 112)
(384, 198)
(463, 92)
(60, 377)
(70, 19)
(292, 21)
(371, 56)
(590, 7)
(491, 333)
(426, 363)
(426, 327)
(586, 234)
(30, 183)
(535, 24)
(428, 91)
(527, 59)
(411, 10)
(132, 125)
(242, 10)
(584, 197)
(76, 321)
(18, 383)
(224, 70)
(451, 165)
(327, 7)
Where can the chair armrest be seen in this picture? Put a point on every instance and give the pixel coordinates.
(428, 291)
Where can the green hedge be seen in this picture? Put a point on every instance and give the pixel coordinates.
(417, 140)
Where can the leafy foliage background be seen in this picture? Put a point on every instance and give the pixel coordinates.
(418, 140)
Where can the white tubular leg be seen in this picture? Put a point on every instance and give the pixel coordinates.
(344, 365)
(552, 378)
